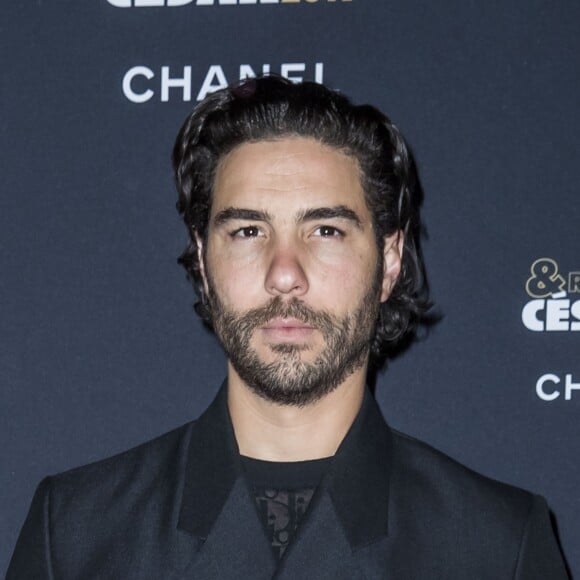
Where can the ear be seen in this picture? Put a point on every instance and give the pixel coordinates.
(392, 256)
(200, 252)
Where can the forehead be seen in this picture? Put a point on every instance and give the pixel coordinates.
(286, 172)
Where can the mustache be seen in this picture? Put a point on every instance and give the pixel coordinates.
(295, 308)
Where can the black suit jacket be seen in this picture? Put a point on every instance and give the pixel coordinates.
(178, 508)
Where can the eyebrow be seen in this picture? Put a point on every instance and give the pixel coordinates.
(321, 213)
(238, 213)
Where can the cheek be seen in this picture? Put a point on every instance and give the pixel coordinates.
(341, 280)
(236, 255)
(332, 257)
(234, 273)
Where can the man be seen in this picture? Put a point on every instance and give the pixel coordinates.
(302, 216)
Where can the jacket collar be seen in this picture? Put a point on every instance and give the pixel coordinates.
(357, 481)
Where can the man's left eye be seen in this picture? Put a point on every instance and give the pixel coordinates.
(328, 232)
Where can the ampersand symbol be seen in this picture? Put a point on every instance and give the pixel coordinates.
(545, 279)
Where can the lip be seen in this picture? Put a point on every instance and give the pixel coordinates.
(286, 324)
(288, 330)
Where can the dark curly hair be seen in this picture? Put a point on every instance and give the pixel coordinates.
(272, 107)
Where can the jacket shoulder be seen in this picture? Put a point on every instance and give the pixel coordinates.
(79, 515)
(431, 470)
(467, 495)
(136, 471)
(143, 452)
(489, 529)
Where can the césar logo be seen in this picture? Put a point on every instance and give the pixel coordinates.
(551, 308)
(173, 3)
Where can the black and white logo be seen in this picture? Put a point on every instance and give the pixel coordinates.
(553, 306)
(142, 83)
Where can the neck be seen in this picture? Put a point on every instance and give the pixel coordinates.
(274, 432)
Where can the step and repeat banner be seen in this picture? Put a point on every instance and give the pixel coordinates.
(101, 349)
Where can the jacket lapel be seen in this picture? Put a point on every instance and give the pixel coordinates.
(236, 546)
(322, 550)
(344, 535)
(217, 518)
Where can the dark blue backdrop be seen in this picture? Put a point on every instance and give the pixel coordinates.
(100, 347)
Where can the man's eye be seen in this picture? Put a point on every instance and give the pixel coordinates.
(247, 232)
(329, 232)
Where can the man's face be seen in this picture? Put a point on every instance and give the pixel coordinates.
(292, 269)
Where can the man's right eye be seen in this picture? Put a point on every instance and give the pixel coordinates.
(246, 232)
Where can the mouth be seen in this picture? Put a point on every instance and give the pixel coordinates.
(287, 330)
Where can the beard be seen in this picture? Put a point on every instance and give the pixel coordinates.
(289, 380)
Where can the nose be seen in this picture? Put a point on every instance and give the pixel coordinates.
(286, 275)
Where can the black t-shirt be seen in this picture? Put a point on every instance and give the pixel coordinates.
(283, 491)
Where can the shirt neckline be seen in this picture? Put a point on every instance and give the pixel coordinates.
(285, 474)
